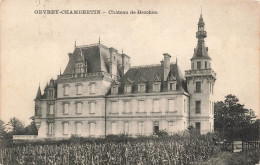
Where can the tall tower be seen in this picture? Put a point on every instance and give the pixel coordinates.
(200, 83)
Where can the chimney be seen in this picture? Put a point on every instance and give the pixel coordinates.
(70, 55)
(125, 63)
(166, 66)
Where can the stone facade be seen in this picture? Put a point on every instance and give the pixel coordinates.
(99, 94)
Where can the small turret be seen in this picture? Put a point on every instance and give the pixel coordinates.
(39, 94)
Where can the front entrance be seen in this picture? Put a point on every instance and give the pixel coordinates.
(156, 128)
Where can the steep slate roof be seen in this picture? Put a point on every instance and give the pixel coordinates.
(201, 22)
(151, 74)
(95, 62)
(96, 55)
(200, 51)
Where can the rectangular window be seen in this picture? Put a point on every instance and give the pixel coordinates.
(198, 86)
(171, 105)
(113, 128)
(114, 107)
(197, 126)
(92, 107)
(192, 66)
(209, 87)
(126, 128)
(206, 65)
(79, 89)
(51, 109)
(127, 106)
(128, 89)
(210, 107)
(141, 128)
(92, 129)
(50, 128)
(66, 108)
(198, 65)
(65, 128)
(156, 87)
(184, 105)
(79, 107)
(78, 128)
(171, 126)
(66, 90)
(172, 86)
(115, 90)
(140, 106)
(82, 69)
(142, 88)
(93, 88)
(156, 106)
(198, 106)
(213, 108)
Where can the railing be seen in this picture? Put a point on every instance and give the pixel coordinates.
(200, 72)
(204, 33)
(91, 45)
(83, 75)
(24, 137)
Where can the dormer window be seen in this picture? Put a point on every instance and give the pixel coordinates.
(172, 85)
(128, 89)
(51, 93)
(141, 87)
(79, 68)
(114, 90)
(156, 87)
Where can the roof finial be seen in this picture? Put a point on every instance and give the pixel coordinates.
(176, 59)
(75, 43)
(99, 39)
(122, 51)
(60, 71)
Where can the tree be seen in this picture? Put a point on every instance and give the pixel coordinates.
(2, 129)
(15, 126)
(31, 129)
(231, 113)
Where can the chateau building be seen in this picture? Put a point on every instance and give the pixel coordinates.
(99, 94)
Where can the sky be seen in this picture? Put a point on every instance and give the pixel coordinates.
(35, 47)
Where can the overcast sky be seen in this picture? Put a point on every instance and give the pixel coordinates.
(35, 47)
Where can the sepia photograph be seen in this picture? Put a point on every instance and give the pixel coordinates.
(134, 82)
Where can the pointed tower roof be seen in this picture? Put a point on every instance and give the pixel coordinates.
(39, 94)
(201, 51)
(201, 22)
